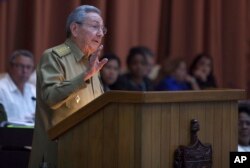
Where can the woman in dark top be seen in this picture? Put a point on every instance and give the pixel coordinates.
(135, 79)
(110, 71)
(202, 69)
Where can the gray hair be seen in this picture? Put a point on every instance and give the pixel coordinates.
(18, 53)
(79, 15)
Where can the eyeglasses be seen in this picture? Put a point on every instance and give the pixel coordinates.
(95, 27)
(22, 66)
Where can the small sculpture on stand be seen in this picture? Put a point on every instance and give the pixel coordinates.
(196, 155)
(195, 127)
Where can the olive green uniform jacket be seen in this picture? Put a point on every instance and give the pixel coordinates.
(61, 91)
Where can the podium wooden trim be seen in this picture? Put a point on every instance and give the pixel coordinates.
(142, 129)
(143, 97)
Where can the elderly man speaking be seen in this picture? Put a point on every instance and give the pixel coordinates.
(67, 78)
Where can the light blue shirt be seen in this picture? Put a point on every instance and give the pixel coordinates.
(20, 108)
(243, 148)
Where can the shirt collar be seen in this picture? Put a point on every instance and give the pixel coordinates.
(12, 85)
(78, 54)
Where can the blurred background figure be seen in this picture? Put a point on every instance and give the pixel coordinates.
(110, 71)
(202, 69)
(173, 76)
(137, 65)
(152, 68)
(17, 95)
(244, 128)
(32, 78)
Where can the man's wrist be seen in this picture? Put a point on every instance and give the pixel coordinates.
(88, 75)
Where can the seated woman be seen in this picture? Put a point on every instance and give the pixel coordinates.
(135, 79)
(110, 71)
(173, 76)
(202, 69)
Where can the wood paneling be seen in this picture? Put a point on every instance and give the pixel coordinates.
(217, 132)
(143, 97)
(165, 134)
(138, 135)
(126, 133)
(74, 147)
(95, 135)
(146, 141)
(145, 135)
(110, 136)
(156, 112)
(233, 126)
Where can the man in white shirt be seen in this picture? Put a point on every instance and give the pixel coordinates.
(16, 94)
(244, 129)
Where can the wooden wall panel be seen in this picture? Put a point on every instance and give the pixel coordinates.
(65, 152)
(217, 132)
(95, 142)
(209, 125)
(146, 137)
(201, 116)
(110, 136)
(184, 125)
(165, 134)
(126, 135)
(234, 126)
(174, 129)
(80, 154)
(227, 129)
(74, 147)
(225, 137)
(138, 135)
(156, 135)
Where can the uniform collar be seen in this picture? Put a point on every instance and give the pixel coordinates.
(78, 54)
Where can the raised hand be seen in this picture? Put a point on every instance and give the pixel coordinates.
(199, 73)
(191, 80)
(95, 65)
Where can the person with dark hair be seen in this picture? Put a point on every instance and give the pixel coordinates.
(16, 94)
(135, 79)
(67, 79)
(173, 76)
(110, 71)
(149, 56)
(244, 128)
(152, 68)
(202, 69)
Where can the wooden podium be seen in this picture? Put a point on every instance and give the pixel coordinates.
(143, 129)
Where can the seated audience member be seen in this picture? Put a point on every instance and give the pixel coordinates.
(110, 72)
(244, 129)
(152, 67)
(17, 95)
(173, 76)
(135, 79)
(202, 69)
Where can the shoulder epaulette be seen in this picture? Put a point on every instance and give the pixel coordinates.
(62, 50)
